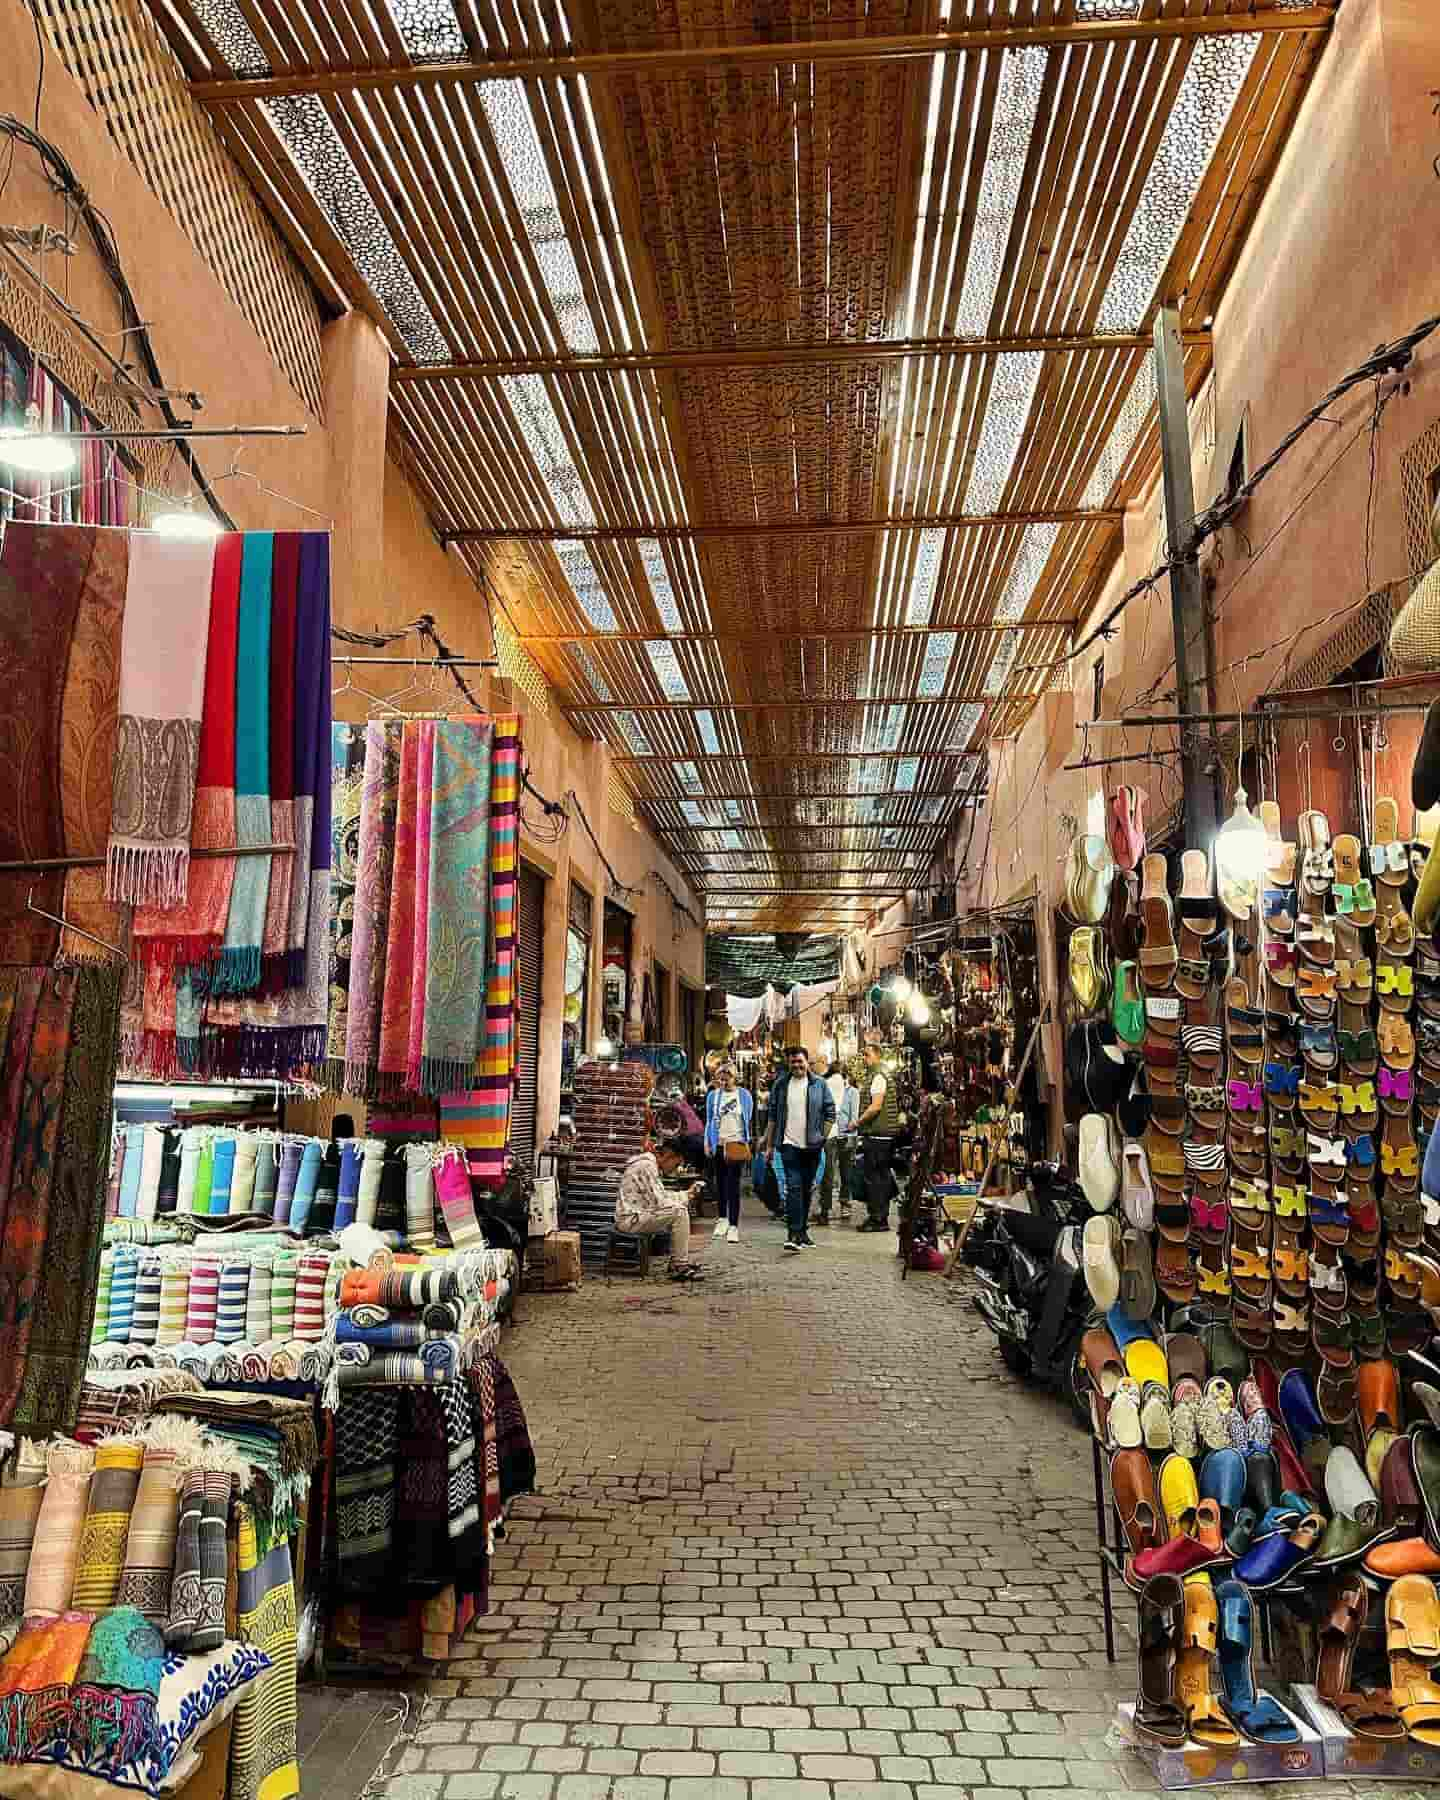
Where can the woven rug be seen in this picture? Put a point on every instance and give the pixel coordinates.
(515, 1455)
(150, 1545)
(64, 1274)
(366, 1436)
(162, 696)
(264, 1760)
(457, 897)
(375, 861)
(481, 1114)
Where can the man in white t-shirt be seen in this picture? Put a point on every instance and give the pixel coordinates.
(802, 1110)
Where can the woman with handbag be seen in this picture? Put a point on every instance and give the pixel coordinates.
(728, 1113)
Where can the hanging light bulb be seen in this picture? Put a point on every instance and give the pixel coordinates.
(1241, 843)
(34, 451)
(184, 521)
(604, 1047)
(919, 1010)
(901, 989)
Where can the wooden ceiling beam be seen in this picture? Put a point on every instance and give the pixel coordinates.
(916, 46)
(567, 534)
(768, 356)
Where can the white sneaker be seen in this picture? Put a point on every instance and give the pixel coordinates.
(720, 1228)
(732, 1236)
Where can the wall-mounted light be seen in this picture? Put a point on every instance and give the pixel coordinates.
(34, 451)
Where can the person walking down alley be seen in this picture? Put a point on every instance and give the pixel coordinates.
(802, 1110)
(728, 1112)
(877, 1126)
(840, 1144)
(645, 1204)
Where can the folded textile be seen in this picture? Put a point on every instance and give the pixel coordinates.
(222, 1173)
(168, 1192)
(152, 1158)
(162, 692)
(398, 1287)
(282, 1293)
(373, 870)
(101, 1560)
(19, 1511)
(239, 966)
(306, 1180)
(386, 1367)
(174, 1301)
(117, 1148)
(372, 1170)
(291, 1152)
(397, 1334)
(242, 1180)
(442, 1315)
(124, 1273)
(283, 1359)
(349, 1189)
(457, 901)
(457, 1199)
(264, 1761)
(203, 1301)
(36, 1676)
(100, 1328)
(190, 1141)
(50, 1577)
(366, 1316)
(145, 1320)
(267, 1171)
(327, 1191)
(150, 1545)
(310, 1279)
(114, 1702)
(254, 1363)
(130, 1171)
(420, 1195)
(291, 1423)
(204, 1174)
(441, 1357)
(183, 1610)
(230, 1312)
(257, 1304)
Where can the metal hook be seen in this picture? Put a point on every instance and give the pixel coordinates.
(79, 931)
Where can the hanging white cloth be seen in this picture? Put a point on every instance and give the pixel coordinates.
(745, 1015)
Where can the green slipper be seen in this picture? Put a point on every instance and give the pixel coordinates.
(1127, 1009)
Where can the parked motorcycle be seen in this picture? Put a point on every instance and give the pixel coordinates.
(1032, 1283)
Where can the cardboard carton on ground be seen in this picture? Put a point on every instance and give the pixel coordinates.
(1201, 1765)
(1363, 1758)
(562, 1260)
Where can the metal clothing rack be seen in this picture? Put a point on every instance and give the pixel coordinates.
(38, 865)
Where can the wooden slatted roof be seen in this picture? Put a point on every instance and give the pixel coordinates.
(783, 369)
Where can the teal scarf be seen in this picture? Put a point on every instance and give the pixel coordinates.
(239, 971)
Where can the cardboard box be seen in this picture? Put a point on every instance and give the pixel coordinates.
(543, 1214)
(1201, 1765)
(562, 1260)
(1363, 1759)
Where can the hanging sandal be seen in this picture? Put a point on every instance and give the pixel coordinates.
(1354, 896)
(1195, 1669)
(1196, 900)
(1412, 1630)
(1317, 862)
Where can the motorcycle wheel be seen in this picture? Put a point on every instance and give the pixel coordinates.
(1015, 1358)
(1076, 1387)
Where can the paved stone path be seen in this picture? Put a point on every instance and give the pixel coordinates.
(801, 1538)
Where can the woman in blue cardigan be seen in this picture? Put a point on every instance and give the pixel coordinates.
(728, 1112)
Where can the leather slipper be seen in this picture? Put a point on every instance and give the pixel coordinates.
(1137, 1196)
(1099, 1180)
(1102, 1361)
(1137, 1275)
(1159, 954)
(1101, 1256)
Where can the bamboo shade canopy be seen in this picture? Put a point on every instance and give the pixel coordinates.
(636, 292)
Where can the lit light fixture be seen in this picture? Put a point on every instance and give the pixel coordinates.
(604, 1047)
(901, 989)
(184, 521)
(1241, 843)
(919, 1010)
(35, 451)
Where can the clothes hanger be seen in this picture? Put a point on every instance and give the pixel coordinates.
(79, 931)
(235, 472)
(351, 686)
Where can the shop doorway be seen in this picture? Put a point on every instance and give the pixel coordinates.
(662, 1004)
(529, 948)
(575, 1028)
(615, 974)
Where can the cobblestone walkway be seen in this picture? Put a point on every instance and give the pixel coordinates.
(801, 1538)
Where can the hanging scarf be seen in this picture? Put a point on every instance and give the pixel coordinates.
(400, 933)
(347, 761)
(424, 827)
(374, 868)
(162, 694)
(312, 746)
(458, 902)
(193, 933)
(284, 582)
(239, 970)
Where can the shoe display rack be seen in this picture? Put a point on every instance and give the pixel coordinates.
(1258, 1047)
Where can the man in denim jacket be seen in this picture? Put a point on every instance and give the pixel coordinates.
(802, 1110)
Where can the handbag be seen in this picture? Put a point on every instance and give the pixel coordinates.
(737, 1152)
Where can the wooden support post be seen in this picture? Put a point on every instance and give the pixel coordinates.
(1193, 674)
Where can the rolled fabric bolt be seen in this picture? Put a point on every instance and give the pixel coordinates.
(205, 1174)
(327, 1188)
(189, 1168)
(371, 1170)
(305, 1180)
(130, 1170)
(122, 1292)
(100, 1326)
(223, 1169)
(257, 1304)
(310, 1297)
(202, 1302)
(152, 1158)
(242, 1180)
(169, 1171)
(350, 1154)
(390, 1209)
(267, 1172)
(420, 1195)
(290, 1154)
(174, 1303)
(231, 1302)
(457, 1202)
(145, 1320)
(282, 1294)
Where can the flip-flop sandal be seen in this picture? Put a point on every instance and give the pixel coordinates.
(1359, 1108)
(1250, 1272)
(1239, 894)
(1317, 862)
(1316, 992)
(1404, 1278)
(1279, 855)
(1412, 1642)
(1291, 1264)
(1399, 1154)
(1394, 983)
(1397, 1040)
(1278, 904)
(1353, 893)
(1195, 902)
(1396, 1088)
(1407, 1333)
(1252, 1325)
(1427, 895)
(1159, 954)
(1159, 1716)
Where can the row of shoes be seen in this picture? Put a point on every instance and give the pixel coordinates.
(1410, 1707)
(1196, 1668)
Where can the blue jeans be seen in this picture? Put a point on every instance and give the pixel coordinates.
(800, 1167)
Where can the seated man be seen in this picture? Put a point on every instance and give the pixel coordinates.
(645, 1204)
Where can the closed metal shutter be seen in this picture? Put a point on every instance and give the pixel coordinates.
(529, 941)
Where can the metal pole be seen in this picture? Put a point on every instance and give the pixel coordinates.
(1193, 673)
